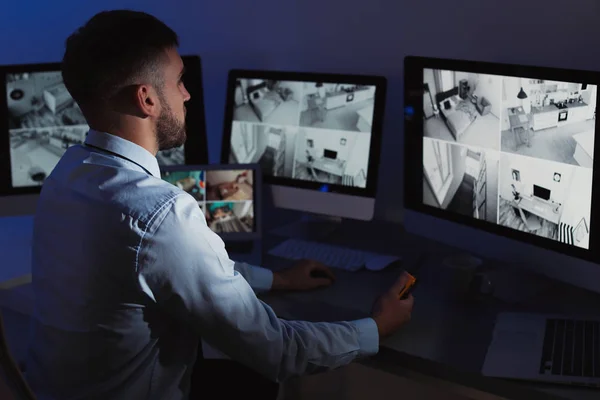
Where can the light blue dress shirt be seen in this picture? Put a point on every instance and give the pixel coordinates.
(128, 277)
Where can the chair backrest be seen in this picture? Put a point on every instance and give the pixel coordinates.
(12, 384)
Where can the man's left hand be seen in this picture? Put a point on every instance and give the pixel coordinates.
(303, 275)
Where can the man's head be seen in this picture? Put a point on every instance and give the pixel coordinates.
(123, 69)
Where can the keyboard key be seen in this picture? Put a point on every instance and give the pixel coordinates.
(559, 342)
(546, 361)
(567, 360)
(579, 341)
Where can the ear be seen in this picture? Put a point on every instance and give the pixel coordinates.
(146, 100)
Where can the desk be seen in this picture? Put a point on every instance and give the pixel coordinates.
(519, 119)
(543, 209)
(447, 339)
(334, 167)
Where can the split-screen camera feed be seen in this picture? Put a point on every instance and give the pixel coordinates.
(226, 197)
(44, 121)
(311, 131)
(517, 152)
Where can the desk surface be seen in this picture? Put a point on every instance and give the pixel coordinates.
(446, 336)
(541, 208)
(335, 167)
(447, 339)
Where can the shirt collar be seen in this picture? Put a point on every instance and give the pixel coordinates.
(125, 149)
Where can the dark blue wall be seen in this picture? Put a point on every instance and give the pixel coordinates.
(330, 35)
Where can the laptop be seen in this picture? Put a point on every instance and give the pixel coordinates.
(546, 348)
(228, 195)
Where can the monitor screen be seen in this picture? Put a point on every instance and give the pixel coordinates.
(43, 120)
(507, 151)
(541, 192)
(310, 131)
(225, 196)
(330, 154)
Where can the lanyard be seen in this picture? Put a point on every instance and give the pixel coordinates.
(117, 155)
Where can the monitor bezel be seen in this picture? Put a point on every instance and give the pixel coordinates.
(380, 82)
(413, 147)
(195, 149)
(256, 191)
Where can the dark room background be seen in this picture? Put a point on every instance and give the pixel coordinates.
(349, 36)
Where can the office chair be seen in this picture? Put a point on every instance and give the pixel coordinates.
(12, 383)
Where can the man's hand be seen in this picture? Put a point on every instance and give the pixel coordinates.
(390, 312)
(303, 275)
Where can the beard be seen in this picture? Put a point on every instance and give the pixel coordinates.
(170, 132)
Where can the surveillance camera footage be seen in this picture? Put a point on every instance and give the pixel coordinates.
(44, 121)
(226, 197)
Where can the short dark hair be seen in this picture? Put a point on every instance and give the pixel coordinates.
(113, 50)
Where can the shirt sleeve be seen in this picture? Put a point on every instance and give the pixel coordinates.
(183, 267)
(260, 279)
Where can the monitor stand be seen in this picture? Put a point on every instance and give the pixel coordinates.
(310, 227)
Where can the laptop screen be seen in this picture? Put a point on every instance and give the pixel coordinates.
(225, 196)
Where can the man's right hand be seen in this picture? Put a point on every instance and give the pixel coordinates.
(389, 312)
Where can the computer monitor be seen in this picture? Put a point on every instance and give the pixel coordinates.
(499, 159)
(41, 120)
(332, 155)
(541, 193)
(316, 136)
(228, 195)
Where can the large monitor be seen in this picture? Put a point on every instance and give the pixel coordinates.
(41, 120)
(500, 159)
(317, 137)
(228, 195)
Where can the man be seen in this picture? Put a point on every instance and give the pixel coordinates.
(126, 273)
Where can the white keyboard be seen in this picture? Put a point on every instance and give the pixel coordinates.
(331, 255)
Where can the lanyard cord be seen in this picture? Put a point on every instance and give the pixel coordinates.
(118, 155)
